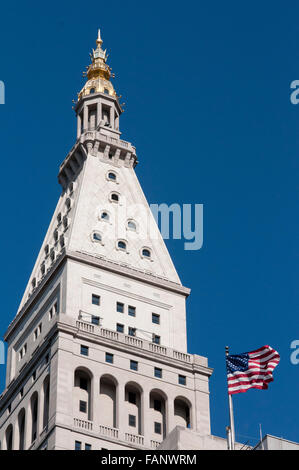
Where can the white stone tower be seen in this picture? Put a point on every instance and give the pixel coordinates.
(97, 353)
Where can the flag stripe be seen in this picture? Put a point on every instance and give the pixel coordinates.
(251, 370)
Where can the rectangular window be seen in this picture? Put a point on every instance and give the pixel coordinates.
(83, 406)
(133, 365)
(120, 328)
(95, 320)
(95, 299)
(109, 358)
(182, 379)
(156, 318)
(132, 421)
(132, 398)
(158, 373)
(158, 428)
(157, 405)
(120, 308)
(87, 446)
(131, 311)
(156, 339)
(84, 350)
(131, 331)
(77, 445)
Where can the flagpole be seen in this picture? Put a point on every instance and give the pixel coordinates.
(231, 411)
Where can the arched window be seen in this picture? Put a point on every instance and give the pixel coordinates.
(105, 216)
(131, 225)
(92, 90)
(46, 390)
(114, 197)
(146, 253)
(21, 423)
(9, 437)
(97, 237)
(121, 245)
(34, 415)
(111, 176)
(106, 91)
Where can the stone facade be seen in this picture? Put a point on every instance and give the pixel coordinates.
(97, 353)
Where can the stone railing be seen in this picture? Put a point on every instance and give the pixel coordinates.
(108, 431)
(155, 444)
(83, 424)
(134, 439)
(134, 341)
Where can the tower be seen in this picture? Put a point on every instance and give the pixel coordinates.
(97, 353)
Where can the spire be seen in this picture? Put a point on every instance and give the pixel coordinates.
(98, 72)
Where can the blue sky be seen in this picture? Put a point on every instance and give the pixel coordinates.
(207, 87)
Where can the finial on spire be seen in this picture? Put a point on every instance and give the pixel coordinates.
(99, 39)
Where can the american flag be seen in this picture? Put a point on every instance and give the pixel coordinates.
(251, 370)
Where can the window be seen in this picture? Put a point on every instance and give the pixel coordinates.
(77, 445)
(109, 358)
(131, 311)
(132, 225)
(157, 405)
(61, 241)
(55, 235)
(156, 318)
(95, 299)
(56, 307)
(132, 398)
(119, 328)
(157, 427)
(146, 253)
(92, 90)
(83, 406)
(33, 283)
(21, 392)
(59, 218)
(106, 91)
(97, 237)
(120, 307)
(122, 245)
(87, 446)
(83, 383)
(95, 320)
(182, 379)
(68, 203)
(34, 376)
(111, 176)
(134, 365)
(131, 331)
(158, 373)
(132, 421)
(46, 250)
(84, 350)
(114, 197)
(47, 357)
(156, 339)
(105, 216)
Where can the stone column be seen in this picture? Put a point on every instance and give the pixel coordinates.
(170, 419)
(85, 117)
(95, 396)
(99, 112)
(121, 412)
